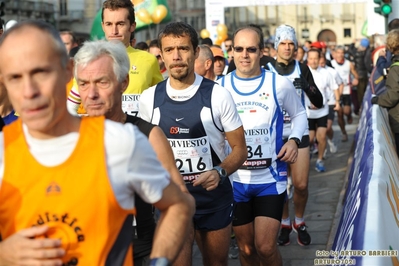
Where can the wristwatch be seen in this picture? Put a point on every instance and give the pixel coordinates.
(297, 141)
(162, 261)
(222, 173)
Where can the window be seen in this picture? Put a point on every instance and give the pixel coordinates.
(63, 7)
(347, 33)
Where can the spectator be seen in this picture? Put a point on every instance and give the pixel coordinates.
(363, 66)
(390, 98)
(384, 61)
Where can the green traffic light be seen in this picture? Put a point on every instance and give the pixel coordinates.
(386, 9)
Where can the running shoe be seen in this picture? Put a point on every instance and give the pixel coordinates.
(284, 237)
(303, 235)
(333, 147)
(233, 250)
(320, 166)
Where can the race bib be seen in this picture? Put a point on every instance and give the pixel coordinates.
(193, 156)
(130, 104)
(259, 149)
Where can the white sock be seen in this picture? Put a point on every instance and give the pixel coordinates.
(286, 221)
(299, 220)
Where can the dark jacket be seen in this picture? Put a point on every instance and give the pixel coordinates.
(390, 99)
(363, 64)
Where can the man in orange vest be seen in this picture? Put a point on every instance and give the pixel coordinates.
(67, 184)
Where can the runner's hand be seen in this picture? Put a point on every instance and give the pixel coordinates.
(301, 83)
(337, 106)
(289, 152)
(22, 249)
(209, 180)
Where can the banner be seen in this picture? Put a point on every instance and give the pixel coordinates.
(368, 230)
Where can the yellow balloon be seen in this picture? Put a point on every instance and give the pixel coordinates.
(218, 41)
(204, 33)
(136, 2)
(159, 14)
(221, 29)
(223, 37)
(144, 16)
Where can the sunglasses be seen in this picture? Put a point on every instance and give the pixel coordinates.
(240, 49)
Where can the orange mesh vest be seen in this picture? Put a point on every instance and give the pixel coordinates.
(75, 199)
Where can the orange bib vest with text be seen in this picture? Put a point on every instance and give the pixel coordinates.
(75, 198)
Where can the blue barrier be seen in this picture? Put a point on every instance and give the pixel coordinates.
(369, 226)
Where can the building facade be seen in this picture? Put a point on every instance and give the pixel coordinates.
(333, 23)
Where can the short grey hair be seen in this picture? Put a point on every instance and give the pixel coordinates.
(340, 47)
(92, 50)
(59, 46)
(206, 52)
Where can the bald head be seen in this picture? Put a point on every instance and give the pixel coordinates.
(35, 70)
(46, 29)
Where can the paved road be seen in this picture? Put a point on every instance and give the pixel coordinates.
(325, 197)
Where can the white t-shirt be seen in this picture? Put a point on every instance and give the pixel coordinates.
(338, 81)
(131, 162)
(325, 82)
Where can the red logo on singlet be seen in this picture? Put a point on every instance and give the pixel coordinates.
(174, 130)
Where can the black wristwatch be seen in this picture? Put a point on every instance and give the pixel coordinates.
(297, 141)
(222, 173)
(160, 262)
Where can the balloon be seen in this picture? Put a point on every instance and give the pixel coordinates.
(137, 2)
(159, 14)
(223, 37)
(204, 33)
(144, 16)
(221, 29)
(220, 39)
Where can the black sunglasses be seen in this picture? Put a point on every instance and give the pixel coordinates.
(240, 49)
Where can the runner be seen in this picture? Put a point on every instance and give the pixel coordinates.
(285, 64)
(90, 210)
(260, 184)
(98, 61)
(118, 22)
(344, 68)
(197, 115)
(318, 117)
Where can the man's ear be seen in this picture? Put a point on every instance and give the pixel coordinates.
(208, 64)
(197, 52)
(133, 27)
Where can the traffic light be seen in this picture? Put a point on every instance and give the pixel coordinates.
(384, 8)
(2, 6)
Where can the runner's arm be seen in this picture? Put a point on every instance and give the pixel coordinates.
(177, 209)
